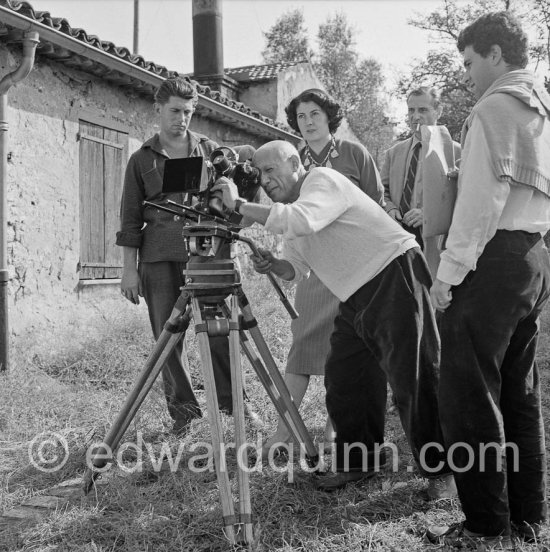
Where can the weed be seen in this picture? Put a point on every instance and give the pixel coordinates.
(77, 388)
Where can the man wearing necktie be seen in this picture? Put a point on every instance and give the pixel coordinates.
(401, 171)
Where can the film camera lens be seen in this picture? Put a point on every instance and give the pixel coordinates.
(246, 177)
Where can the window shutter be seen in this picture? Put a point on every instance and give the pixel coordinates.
(103, 154)
(114, 163)
(92, 229)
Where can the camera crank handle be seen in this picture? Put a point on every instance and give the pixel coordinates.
(282, 297)
(161, 207)
(280, 292)
(197, 213)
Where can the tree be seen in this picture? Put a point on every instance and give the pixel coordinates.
(443, 67)
(356, 83)
(336, 60)
(366, 108)
(287, 40)
(446, 22)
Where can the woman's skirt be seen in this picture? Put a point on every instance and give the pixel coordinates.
(317, 308)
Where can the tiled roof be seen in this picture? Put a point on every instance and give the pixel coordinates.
(256, 73)
(62, 25)
(92, 64)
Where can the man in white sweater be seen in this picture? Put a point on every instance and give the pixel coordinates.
(385, 330)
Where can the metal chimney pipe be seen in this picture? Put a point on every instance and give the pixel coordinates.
(207, 38)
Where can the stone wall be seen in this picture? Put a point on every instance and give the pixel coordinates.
(43, 188)
(262, 96)
(291, 82)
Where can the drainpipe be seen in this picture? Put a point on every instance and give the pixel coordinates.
(30, 40)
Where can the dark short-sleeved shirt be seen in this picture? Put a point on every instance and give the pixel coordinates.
(156, 233)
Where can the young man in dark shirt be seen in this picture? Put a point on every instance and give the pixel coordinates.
(154, 249)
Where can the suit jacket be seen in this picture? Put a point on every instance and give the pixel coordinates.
(394, 173)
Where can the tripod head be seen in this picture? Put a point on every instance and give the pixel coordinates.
(206, 235)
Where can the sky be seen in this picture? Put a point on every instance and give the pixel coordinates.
(166, 27)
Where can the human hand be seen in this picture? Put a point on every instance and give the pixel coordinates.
(452, 173)
(441, 295)
(413, 218)
(395, 214)
(130, 285)
(227, 191)
(263, 263)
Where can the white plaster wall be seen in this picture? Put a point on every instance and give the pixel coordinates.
(44, 294)
(291, 82)
(262, 96)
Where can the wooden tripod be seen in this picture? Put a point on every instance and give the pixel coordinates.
(209, 282)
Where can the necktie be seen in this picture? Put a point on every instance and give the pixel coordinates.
(405, 204)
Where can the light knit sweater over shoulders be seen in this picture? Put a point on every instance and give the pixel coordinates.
(337, 231)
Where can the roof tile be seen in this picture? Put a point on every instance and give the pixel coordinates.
(62, 25)
(250, 73)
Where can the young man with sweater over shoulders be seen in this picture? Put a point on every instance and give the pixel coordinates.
(492, 283)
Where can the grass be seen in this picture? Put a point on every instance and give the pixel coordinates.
(74, 385)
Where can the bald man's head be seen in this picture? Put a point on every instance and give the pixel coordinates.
(281, 169)
(278, 149)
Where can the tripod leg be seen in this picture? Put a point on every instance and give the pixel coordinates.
(226, 499)
(173, 330)
(275, 385)
(245, 505)
(297, 430)
(265, 379)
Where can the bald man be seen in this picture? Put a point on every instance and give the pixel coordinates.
(385, 329)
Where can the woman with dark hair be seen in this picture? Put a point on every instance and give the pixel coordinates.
(316, 116)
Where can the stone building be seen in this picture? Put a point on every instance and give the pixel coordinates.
(73, 122)
(269, 88)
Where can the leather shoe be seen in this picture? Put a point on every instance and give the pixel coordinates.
(183, 421)
(333, 481)
(180, 427)
(457, 536)
(440, 488)
(527, 532)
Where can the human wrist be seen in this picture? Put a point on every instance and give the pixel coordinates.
(239, 202)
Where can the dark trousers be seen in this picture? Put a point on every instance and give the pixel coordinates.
(416, 232)
(489, 390)
(161, 284)
(386, 332)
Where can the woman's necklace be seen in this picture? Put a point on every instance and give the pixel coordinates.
(310, 162)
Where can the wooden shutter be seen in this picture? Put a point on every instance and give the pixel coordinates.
(113, 175)
(102, 162)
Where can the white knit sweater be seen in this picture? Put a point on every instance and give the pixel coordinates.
(336, 230)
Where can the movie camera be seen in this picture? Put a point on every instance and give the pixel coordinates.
(208, 228)
(195, 176)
